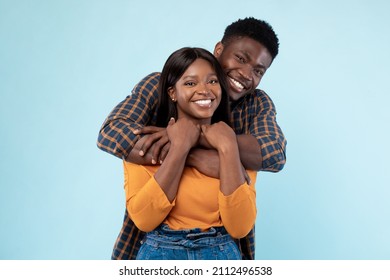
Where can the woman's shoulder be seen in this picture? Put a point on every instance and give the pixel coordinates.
(132, 167)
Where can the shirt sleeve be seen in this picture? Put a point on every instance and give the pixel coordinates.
(146, 202)
(238, 210)
(116, 134)
(268, 134)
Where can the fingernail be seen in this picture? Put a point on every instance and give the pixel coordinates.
(161, 161)
(136, 131)
(153, 161)
(141, 153)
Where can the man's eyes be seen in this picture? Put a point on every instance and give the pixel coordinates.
(259, 72)
(240, 58)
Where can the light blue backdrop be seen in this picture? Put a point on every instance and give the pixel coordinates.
(65, 64)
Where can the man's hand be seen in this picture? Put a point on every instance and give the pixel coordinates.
(156, 143)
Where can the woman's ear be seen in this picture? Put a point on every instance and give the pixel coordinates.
(172, 94)
(218, 49)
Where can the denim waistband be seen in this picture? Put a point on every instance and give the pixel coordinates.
(193, 233)
(191, 238)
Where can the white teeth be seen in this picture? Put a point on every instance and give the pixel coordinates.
(203, 102)
(237, 84)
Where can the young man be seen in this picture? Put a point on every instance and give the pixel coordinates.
(245, 52)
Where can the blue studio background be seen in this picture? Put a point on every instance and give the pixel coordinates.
(65, 64)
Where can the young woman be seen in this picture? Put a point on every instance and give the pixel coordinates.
(186, 214)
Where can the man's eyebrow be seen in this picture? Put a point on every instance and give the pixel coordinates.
(249, 57)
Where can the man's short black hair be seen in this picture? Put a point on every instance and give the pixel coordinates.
(255, 29)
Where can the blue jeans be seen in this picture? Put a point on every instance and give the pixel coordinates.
(164, 243)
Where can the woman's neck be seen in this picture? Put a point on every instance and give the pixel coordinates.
(197, 121)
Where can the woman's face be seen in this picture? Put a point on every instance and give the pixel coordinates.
(197, 92)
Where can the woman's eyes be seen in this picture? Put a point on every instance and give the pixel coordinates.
(191, 83)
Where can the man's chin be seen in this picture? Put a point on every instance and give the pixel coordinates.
(234, 96)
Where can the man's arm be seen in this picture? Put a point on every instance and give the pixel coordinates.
(270, 138)
(261, 148)
(116, 135)
(250, 153)
(204, 160)
(207, 161)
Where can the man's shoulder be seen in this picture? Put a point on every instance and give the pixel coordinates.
(262, 98)
(255, 98)
(154, 75)
(255, 102)
(259, 93)
(148, 85)
(152, 78)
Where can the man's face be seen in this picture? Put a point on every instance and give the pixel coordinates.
(244, 61)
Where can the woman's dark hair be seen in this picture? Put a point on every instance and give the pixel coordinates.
(175, 66)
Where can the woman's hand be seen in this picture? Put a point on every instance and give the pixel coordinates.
(220, 136)
(183, 134)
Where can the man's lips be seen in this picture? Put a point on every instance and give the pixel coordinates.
(238, 86)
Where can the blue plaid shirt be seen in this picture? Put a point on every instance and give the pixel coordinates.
(253, 114)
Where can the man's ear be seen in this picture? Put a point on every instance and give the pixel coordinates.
(218, 49)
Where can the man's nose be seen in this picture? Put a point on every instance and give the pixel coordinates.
(246, 72)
